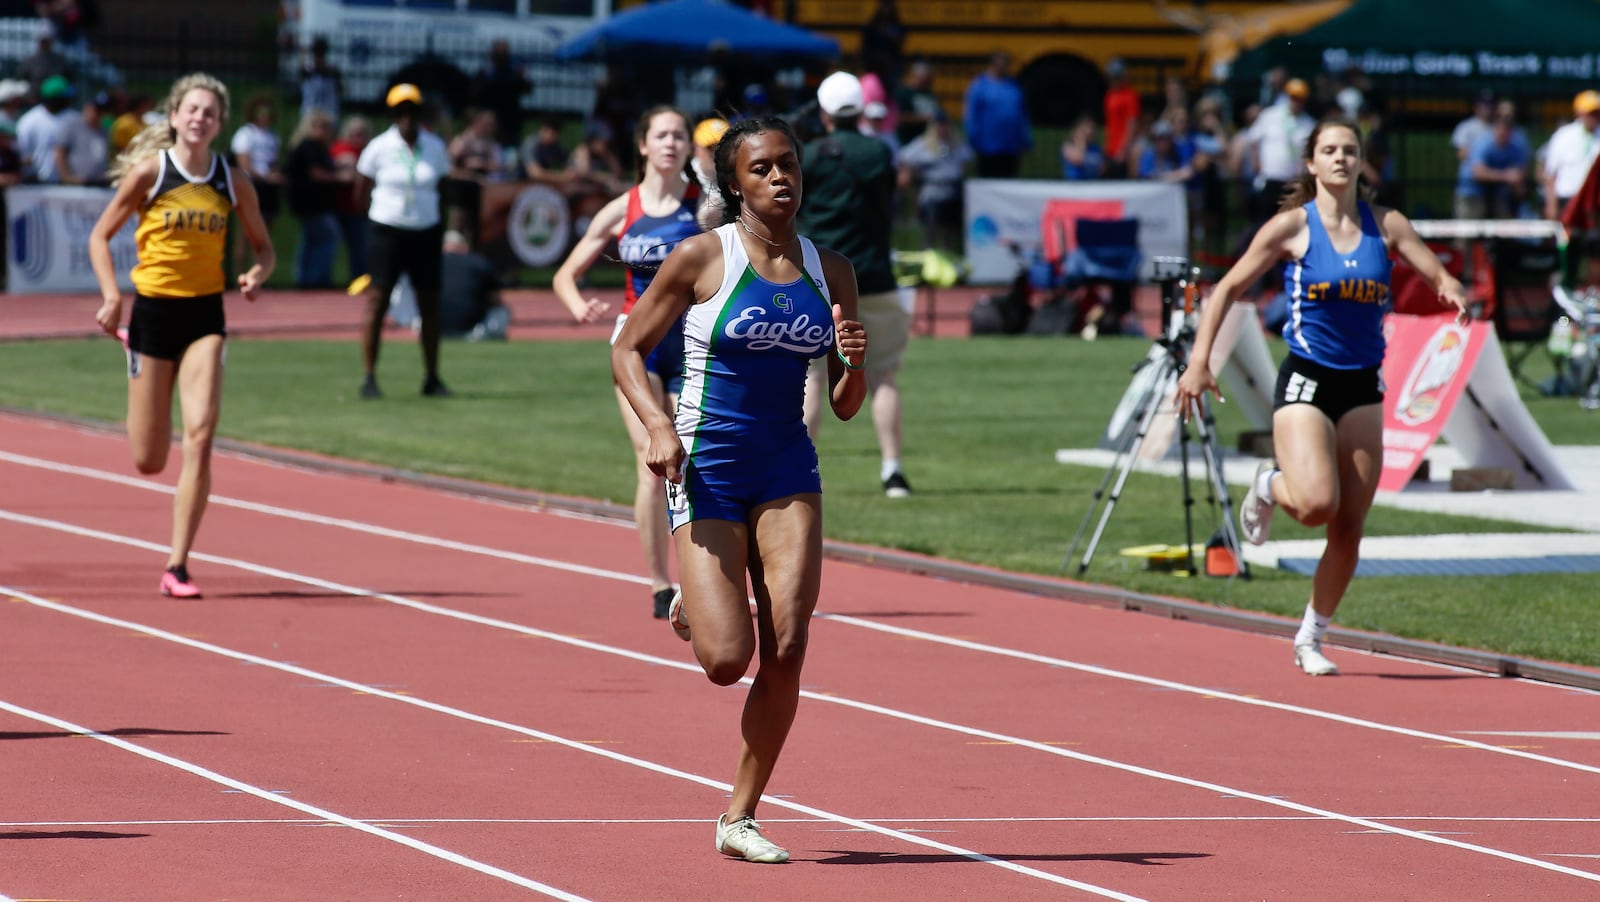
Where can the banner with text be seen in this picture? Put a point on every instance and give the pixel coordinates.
(47, 240)
(1432, 364)
(1003, 212)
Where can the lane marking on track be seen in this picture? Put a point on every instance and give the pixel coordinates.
(682, 666)
(335, 522)
(576, 745)
(677, 821)
(1216, 694)
(320, 813)
(1520, 734)
(903, 632)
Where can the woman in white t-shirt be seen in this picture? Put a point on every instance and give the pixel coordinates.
(255, 149)
(397, 179)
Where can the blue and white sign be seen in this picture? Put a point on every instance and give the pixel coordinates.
(47, 240)
(1003, 212)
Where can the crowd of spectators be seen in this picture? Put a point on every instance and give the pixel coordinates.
(1232, 154)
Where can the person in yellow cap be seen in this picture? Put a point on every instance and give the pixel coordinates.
(397, 179)
(707, 135)
(182, 193)
(1570, 153)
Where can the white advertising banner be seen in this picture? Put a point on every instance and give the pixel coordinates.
(1002, 212)
(47, 240)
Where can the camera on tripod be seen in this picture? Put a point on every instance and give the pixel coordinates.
(1153, 389)
(1180, 294)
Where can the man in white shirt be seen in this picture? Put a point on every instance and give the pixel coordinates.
(1570, 153)
(41, 132)
(1277, 144)
(85, 145)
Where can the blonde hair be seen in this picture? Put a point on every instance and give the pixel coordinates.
(307, 122)
(161, 135)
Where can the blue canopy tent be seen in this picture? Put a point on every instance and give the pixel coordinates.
(692, 30)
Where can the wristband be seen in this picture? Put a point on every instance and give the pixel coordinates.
(845, 360)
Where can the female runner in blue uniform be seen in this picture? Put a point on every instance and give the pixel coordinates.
(1327, 422)
(647, 222)
(758, 302)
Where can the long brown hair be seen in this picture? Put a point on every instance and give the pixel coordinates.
(641, 131)
(1304, 188)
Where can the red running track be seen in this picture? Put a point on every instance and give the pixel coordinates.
(391, 692)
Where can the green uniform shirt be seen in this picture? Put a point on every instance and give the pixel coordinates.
(848, 203)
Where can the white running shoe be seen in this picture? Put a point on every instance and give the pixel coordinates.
(680, 624)
(1310, 659)
(1255, 512)
(743, 839)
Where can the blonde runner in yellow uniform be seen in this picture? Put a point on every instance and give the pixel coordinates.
(182, 193)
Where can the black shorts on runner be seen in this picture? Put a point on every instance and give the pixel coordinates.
(164, 328)
(1334, 392)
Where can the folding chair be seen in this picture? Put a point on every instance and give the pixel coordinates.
(1524, 307)
(1106, 254)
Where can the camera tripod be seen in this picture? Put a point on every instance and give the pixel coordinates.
(1169, 357)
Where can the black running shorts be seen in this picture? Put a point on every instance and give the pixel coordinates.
(1334, 392)
(164, 328)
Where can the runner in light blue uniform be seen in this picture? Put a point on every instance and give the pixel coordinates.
(746, 351)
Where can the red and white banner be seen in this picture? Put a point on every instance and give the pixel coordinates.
(1432, 365)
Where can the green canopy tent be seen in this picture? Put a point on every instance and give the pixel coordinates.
(1531, 46)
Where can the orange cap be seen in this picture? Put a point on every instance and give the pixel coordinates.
(1296, 88)
(1587, 102)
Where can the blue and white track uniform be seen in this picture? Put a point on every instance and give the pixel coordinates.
(740, 415)
(1335, 330)
(1337, 301)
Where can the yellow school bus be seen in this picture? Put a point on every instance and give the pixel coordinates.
(1059, 48)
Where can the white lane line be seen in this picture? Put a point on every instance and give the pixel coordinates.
(678, 665)
(1221, 694)
(574, 744)
(335, 522)
(468, 548)
(320, 813)
(678, 821)
(1555, 734)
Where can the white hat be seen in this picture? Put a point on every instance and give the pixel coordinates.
(11, 89)
(876, 110)
(840, 95)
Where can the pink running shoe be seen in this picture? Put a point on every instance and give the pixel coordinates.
(175, 583)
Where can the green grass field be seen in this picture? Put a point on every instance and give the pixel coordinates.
(983, 420)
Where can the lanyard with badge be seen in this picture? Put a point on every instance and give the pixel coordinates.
(410, 158)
